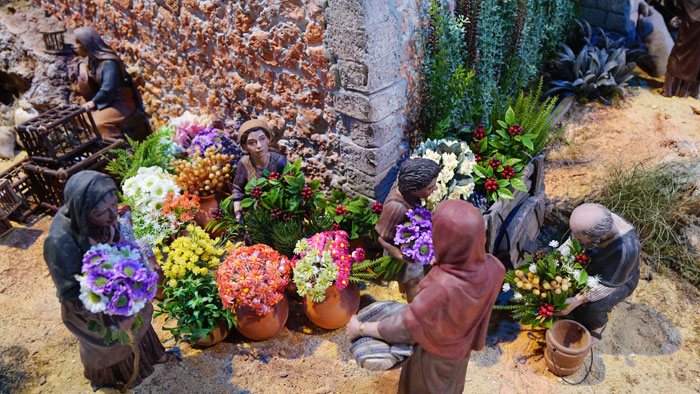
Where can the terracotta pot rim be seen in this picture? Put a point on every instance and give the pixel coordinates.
(550, 338)
(252, 311)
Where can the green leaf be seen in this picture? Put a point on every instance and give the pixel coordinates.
(483, 144)
(510, 116)
(505, 194)
(479, 171)
(247, 203)
(503, 124)
(518, 184)
(528, 143)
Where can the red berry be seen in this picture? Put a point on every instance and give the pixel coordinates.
(494, 163)
(335, 227)
(479, 132)
(274, 175)
(307, 193)
(277, 213)
(477, 157)
(377, 207)
(515, 129)
(216, 213)
(340, 210)
(491, 185)
(256, 192)
(508, 172)
(581, 258)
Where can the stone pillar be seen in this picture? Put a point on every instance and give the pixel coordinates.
(367, 41)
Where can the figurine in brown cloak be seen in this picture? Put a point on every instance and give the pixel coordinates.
(103, 80)
(449, 316)
(89, 216)
(683, 72)
(416, 180)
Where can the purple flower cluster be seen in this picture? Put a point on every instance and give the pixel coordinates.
(115, 280)
(415, 237)
(215, 137)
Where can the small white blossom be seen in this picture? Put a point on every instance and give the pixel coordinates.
(506, 287)
(517, 296)
(533, 268)
(554, 244)
(593, 281)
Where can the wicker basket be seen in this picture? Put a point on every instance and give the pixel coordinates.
(22, 187)
(58, 136)
(48, 183)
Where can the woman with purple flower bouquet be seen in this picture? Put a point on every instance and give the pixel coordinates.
(88, 221)
(416, 180)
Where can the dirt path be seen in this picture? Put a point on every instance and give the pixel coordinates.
(652, 343)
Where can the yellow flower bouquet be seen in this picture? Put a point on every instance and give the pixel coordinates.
(195, 253)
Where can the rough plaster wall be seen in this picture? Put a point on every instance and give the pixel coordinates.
(338, 78)
(227, 58)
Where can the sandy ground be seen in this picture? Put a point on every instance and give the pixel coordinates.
(651, 345)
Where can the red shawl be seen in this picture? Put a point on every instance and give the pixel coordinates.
(450, 314)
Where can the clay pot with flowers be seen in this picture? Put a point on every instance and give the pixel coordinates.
(326, 274)
(205, 176)
(251, 283)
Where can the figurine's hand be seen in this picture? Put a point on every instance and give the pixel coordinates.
(126, 324)
(675, 22)
(573, 302)
(122, 209)
(353, 328)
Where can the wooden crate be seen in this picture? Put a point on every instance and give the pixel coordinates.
(512, 226)
(22, 186)
(55, 138)
(5, 226)
(48, 183)
(9, 200)
(54, 41)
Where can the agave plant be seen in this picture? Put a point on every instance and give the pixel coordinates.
(594, 74)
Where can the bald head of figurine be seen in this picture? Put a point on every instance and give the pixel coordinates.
(591, 224)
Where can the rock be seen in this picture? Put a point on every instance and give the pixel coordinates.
(692, 238)
(284, 374)
(323, 390)
(42, 380)
(7, 142)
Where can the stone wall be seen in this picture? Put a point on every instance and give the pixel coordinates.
(378, 61)
(337, 79)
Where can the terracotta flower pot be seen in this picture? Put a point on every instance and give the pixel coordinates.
(336, 310)
(207, 206)
(219, 333)
(568, 343)
(260, 328)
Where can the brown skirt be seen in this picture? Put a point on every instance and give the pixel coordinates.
(119, 373)
(426, 373)
(110, 365)
(108, 119)
(674, 86)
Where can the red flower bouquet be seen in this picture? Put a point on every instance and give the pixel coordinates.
(254, 277)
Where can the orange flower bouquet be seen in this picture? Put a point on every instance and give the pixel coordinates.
(180, 210)
(254, 277)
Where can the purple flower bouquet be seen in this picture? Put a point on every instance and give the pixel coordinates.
(415, 237)
(115, 280)
(214, 137)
